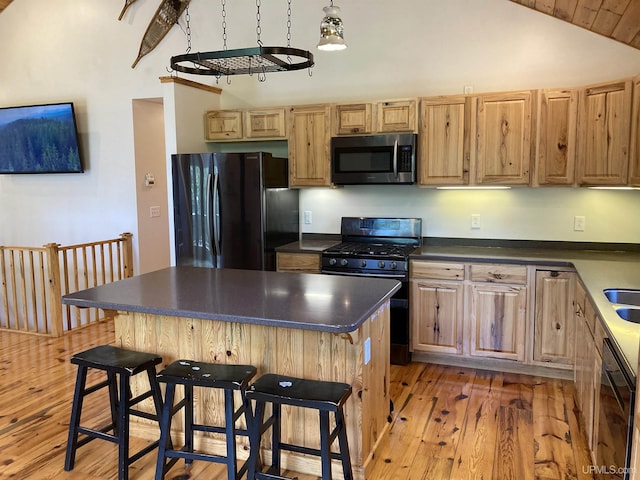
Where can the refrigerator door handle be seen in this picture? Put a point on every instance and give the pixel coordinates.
(207, 203)
(216, 213)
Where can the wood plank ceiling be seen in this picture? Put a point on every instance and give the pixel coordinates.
(4, 4)
(616, 19)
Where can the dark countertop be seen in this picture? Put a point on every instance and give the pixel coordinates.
(289, 300)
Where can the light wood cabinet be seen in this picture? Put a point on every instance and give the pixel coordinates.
(351, 119)
(263, 124)
(298, 262)
(437, 307)
(267, 123)
(397, 116)
(554, 318)
(223, 125)
(503, 138)
(498, 320)
(604, 126)
(587, 373)
(309, 146)
(444, 141)
(634, 162)
(556, 137)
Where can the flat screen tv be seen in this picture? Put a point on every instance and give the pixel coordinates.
(39, 139)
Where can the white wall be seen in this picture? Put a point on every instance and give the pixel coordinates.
(515, 214)
(79, 51)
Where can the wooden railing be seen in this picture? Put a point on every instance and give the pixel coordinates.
(33, 280)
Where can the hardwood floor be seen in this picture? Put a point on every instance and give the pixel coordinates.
(449, 422)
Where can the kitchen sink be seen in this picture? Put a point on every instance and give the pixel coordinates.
(623, 296)
(629, 314)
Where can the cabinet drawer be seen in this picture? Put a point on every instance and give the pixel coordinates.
(437, 270)
(298, 262)
(499, 273)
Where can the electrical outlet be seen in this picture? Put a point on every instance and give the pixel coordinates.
(468, 89)
(579, 223)
(154, 211)
(307, 217)
(475, 221)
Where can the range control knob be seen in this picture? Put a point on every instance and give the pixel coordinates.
(344, 262)
(380, 264)
(394, 265)
(332, 261)
(363, 263)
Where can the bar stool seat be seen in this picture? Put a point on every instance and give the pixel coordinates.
(323, 396)
(120, 365)
(192, 374)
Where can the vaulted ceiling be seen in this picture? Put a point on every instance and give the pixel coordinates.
(616, 19)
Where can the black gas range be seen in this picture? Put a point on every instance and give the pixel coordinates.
(379, 247)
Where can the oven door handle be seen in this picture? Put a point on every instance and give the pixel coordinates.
(398, 276)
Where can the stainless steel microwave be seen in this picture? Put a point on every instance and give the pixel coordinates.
(374, 159)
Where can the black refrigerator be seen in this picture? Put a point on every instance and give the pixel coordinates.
(231, 210)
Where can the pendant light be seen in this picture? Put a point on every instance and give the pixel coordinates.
(331, 30)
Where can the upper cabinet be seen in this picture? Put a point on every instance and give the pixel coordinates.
(263, 124)
(352, 118)
(444, 141)
(309, 146)
(634, 163)
(604, 126)
(503, 138)
(268, 123)
(556, 138)
(397, 116)
(223, 125)
(380, 117)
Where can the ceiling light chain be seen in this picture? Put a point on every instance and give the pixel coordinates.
(224, 25)
(258, 29)
(289, 23)
(187, 18)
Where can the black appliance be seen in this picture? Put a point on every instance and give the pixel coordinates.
(374, 159)
(380, 247)
(232, 210)
(615, 421)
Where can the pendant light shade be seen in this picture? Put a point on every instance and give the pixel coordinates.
(331, 30)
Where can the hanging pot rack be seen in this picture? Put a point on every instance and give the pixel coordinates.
(243, 61)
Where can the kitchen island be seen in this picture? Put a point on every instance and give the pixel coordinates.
(313, 326)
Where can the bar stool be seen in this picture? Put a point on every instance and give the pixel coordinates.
(320, 395)
(119, 364)
(192, 374)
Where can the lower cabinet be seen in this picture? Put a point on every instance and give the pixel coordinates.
(298, 262)
(587, 370)
(498, 320)
(469, 309)
(519, 313)
(554, 318)
(439, 306)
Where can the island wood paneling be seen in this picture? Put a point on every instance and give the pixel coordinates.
(301, 353)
